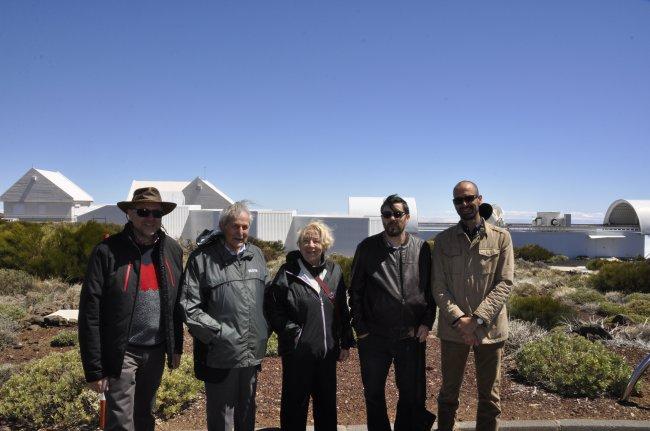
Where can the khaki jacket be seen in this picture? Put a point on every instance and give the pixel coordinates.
(473, 278)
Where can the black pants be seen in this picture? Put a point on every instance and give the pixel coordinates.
(376, 355)
(304, 376)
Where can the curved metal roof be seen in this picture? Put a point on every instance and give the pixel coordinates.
(627, 212)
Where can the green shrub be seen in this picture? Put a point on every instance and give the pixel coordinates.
(634, 296)
(610, 309)
(50, 392)
(533, 253)
(6, 370)
(596, 264)
(585, 295)
(178, 389)
(271, 249)
(272, 345)
(640, 307)
(544, 310)
(15, 281)
(558, 258)
(7, 334)
(12, 312)
(51, 249)
(573, 366)
(627, 277)
(346, 266)
(64, 339)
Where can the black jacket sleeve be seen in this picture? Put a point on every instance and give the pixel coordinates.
(424, 265)
(178, 316)
(357, 292)
(90, 343)
(347, 337)
(276, 306)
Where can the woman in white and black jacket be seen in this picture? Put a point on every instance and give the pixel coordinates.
(307, 307)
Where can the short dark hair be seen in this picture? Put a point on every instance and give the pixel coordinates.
(395, 199)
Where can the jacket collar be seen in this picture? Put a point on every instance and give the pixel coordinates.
(220, 239)
(129, 235)
(459, 230)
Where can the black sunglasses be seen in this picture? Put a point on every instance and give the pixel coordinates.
(464, 199)
(144, 213)
(396, 214)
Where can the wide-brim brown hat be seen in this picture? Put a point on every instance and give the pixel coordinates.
(147, 195)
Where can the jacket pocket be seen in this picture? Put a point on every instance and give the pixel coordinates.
(455, 260)
(488, 259)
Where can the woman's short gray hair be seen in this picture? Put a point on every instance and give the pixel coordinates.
(324, 233)
(229, 214)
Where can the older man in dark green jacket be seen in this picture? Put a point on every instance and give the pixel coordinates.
(223, 297)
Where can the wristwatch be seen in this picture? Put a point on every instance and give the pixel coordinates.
(479, 321)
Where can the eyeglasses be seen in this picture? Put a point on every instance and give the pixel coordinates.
(144, 213)
(396, 214)
(464, 199)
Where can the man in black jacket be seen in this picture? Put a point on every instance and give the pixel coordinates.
(392, 314)
(129, 313)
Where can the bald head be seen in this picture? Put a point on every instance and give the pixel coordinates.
(464, 185)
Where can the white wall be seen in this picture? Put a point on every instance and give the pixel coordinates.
(271, 225)
(199, 220)
(348, 232)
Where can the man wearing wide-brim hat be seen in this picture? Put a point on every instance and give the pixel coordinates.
(129, 314)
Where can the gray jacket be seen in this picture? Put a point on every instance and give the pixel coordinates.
(222, 299)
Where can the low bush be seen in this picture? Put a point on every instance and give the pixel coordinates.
(272, 345)
(51, 393)
(573, 366)
(585, 295)
(533, 253)
(6, 370)
(12, 312)
(544, 310)
(596, 264)
(7, 335)
(51, 249)
(15, 281)
(558, 258)
(271, 249)
(178, 389)
(346, 266)
(627, 277)
(521, 333)
(635, 296)
(640, 307)
(64, 339)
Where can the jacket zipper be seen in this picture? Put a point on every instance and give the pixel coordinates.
(126, 277)
(169, 272)
(137, 288)
(322, 313)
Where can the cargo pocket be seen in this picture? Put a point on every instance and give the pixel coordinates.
(488, 259)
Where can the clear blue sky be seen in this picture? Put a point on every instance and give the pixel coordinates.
(299, 104)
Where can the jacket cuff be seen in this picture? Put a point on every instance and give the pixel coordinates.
(454, 314)
(94, 376)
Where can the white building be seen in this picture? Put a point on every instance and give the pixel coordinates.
(625, 232)
(42, 195)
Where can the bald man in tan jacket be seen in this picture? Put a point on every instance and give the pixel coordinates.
(473, 269)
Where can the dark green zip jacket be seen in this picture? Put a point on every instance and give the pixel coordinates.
(108, 298)
(222, 299)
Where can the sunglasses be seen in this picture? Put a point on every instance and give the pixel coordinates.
(144, 213)
(396, 214)
(464, 199)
